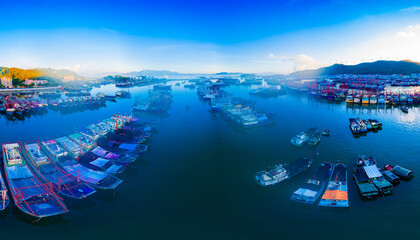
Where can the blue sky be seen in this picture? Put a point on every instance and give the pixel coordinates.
(205, 36)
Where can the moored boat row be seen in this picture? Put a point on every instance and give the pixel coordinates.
(73, 166)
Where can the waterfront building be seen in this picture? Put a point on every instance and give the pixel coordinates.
(36, 82)
(7, 82)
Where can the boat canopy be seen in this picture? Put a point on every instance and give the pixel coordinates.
(56, 150)
(100, 152)
(305, 192)
(372, 171)
(87, 174)
(335, 195)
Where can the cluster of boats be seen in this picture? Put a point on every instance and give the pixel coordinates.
(359, 126)
(14, 105)
(243, 114)
(74, 166)
(267, 91)
(367, 98)
(312, 137)
(372, 181)
(122, 94)
(76, 103)
(336, 95)
(329, 181)
(20, 105)
(158, 101)
(238, 111)
(208, 90)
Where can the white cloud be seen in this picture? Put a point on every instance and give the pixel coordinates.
(411, 9)
(305, 62)
(284, 58)
(412, 31)
(301, 61)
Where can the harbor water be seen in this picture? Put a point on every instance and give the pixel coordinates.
(197, 180)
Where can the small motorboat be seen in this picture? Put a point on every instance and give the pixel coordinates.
(390, 176)
(401, 172)
(404, 109)
(326, 132)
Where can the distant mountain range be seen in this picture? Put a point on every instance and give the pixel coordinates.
(405, 67)
(39, 73)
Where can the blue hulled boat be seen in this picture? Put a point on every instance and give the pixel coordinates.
(314, 187)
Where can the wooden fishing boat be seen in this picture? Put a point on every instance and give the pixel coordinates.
(336, 193)
(82, 140)
(376, 177)
(315, 138)
(314, 187)
(390, 176)
(282, 172)
(96, 179)
(350, 99)
(30, 195)
(404, 109)
(63, 182)
(3, 194)
(400, 171)
(366, 188)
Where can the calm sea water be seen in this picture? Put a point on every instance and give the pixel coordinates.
(197, 179)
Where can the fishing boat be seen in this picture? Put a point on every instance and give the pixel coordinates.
(356, 99)
(367, 124)
(400, 171)
(410, 100)
(349, 99)
(388, 99)
(326, 132)
(30, 195)
(381, 100)
(403, 99)
(95, 179)
(302, 137)
(280, 173)
(120, 158)
(373, 100)
(103, 128)
(336, 193)
(314, 187)
(100, 164)
(85, 142)
(375, 123)
(91, 132)
(376, 177)
(121, 147)
(366, 188)
(125, 93)
(404, 109)
(357, 125)
(396, 99)
(340, 96)
(315, 138)
(71, 147)
(3, 194)
(390, 177)
(365, 99)
(63, 183)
